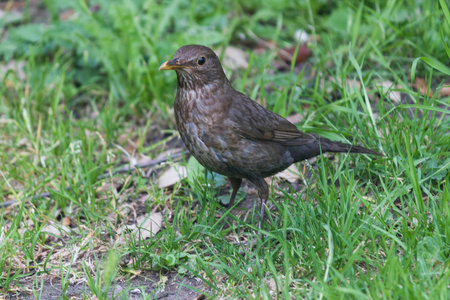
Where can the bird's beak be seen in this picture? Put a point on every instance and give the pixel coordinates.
(171, 65)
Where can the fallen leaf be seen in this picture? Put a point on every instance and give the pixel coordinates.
(56, 229)
(351, 83)
(295, 118)
(387, 88)
(172, 175)
(444, 91)
(16, 67)
(421, 86)
(234, 58)
(135, 291)
(146, 225)
(287, 54)
(291, 174)
(312, 160)
(66, 221)
(270, 283)
(16, 5)
(66, 14)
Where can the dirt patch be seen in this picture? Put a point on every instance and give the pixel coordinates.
(156, 284)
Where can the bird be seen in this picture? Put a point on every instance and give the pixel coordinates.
(233, 135)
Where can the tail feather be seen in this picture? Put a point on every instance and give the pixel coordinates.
(330, 146)
(322, 145)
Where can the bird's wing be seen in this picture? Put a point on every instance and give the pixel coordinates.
(254, 122)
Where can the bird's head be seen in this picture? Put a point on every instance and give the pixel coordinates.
(196, 66)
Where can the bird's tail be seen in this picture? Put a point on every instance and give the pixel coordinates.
(341, 147)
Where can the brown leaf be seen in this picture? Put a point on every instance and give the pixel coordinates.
(16, 67)
(291, 174)
(174, 174)
(444, 91)
(351, 83)
(234, 58)
(146, 225)
(295, 118)
(387, 88)
(270, 283)
(56, 229)
(66, 14)
(66, 221)
(422, 87)
(287, 54)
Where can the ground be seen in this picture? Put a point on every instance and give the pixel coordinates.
(82, 102)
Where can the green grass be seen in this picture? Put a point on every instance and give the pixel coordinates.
(92, 99)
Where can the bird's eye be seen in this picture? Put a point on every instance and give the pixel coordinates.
(201, 61)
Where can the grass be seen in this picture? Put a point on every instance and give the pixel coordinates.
(91, 99)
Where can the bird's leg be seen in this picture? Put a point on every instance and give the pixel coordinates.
(235, 184)
(263, 192)
(261, 213)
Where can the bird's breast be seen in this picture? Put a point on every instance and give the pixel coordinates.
(203, 127)
(214, 140)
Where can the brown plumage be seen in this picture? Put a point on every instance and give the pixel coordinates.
(229, 133)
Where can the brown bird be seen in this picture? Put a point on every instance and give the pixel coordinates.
(229, 133)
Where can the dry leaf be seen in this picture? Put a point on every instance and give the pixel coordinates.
(66, 14)
(66, 221)
(351, 83)
(142, 198)
(234, 58)
(421, 86)
(110, 187)
(56, 229)
(387, 88)
(295, 118)
(270, 283)
(291, 174)
(287, 54)
(136, 291)
(312, 160)
(16, 67)
(146, 226)
(444, 91)
(172, 175)
(12, 5)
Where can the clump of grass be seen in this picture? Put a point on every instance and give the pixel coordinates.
(91, 99)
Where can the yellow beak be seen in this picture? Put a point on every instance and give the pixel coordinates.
(171, 65)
